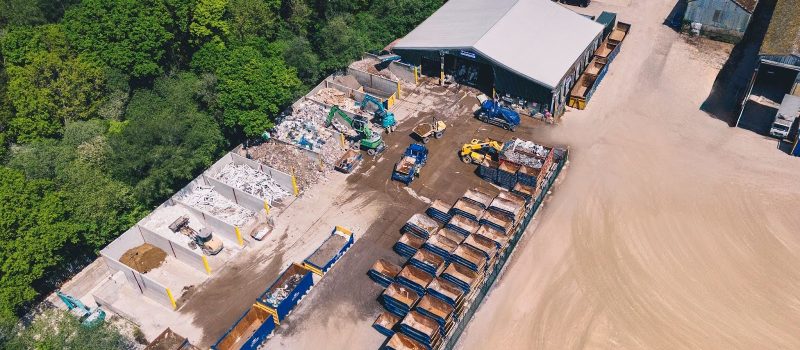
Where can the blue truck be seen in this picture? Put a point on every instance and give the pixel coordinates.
(408, 167)
(493, 113)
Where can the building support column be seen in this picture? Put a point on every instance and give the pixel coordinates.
(441, 69)
(747, 96)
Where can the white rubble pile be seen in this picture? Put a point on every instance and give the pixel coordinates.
(525, 153)
(252, 181)
(208, 200)
(305, 127)
(280, 293)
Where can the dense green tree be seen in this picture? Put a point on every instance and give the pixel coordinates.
(5, 114)
(398, 17)
(298, 53)
(58, 329)
(51, 91)
(333, 8)
(179, 50)
(33, 232)
(21, 45)
(253, 88)
(208, 23)
(100, 207)
(253, 18)
(167, 140)
(129, 35)
(20, 12)
(299, 16)
(339, 43)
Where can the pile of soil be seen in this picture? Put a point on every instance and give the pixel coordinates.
(143, 258)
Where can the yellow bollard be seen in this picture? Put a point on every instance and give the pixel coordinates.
(341, 139)
(171, 299)
(294, 184)
(266, 207)
(416, 75)
(239, 236)
(399, 90)
(205, 264)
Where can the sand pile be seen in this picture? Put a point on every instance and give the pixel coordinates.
(143, 258)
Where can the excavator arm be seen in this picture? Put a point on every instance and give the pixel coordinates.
(337, 114)
(369, 99)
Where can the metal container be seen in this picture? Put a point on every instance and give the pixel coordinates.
(439, 211)
(284, 294)
(383, 272)
(249, 331)
(340, 240)
(408, 244)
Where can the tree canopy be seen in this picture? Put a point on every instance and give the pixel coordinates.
(107, 107)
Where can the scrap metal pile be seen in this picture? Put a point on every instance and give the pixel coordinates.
(305, 127)
(252, 181)
(208, 200)
(525, 153)
(291, 160)
(280, 293)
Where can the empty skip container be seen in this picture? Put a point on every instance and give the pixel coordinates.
(383, 272)
(408, 244)
(249, 332)
(399, 299)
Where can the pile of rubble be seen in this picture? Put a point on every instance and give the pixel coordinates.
(305, 127)
(252, 181)
(525, 153)
(334, 97)
(280, 293)
(291, 160)
(368, 65)
(208, 200)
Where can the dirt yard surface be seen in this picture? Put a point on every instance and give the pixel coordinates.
(671, 230)
(143, 258)
(339, 311)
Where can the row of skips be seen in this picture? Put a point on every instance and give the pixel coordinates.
(454, 253)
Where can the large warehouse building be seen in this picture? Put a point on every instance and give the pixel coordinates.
(533, 50)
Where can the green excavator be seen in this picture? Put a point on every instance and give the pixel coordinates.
(344, 123)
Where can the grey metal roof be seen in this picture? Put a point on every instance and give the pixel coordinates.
(538, 39)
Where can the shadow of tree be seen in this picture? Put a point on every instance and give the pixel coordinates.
(675, 18)
(729, 89)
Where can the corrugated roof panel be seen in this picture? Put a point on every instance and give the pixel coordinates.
(537, 39)
(457, 24)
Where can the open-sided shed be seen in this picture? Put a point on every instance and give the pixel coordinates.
(528, 49)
